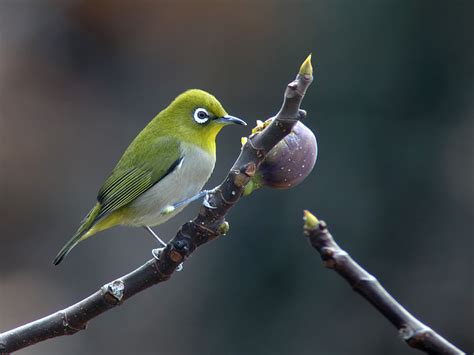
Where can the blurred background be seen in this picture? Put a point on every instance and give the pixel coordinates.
(391, 105)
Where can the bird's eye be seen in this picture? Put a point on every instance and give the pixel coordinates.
(201, 116)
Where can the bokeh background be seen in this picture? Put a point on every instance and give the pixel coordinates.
(392, 107)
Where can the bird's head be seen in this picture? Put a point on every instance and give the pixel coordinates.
(197, 117)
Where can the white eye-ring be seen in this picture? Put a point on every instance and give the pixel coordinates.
(201, 115)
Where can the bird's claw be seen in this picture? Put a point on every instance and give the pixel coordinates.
(157, 253)
(206, 202)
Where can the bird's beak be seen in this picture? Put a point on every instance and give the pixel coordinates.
(228, 119)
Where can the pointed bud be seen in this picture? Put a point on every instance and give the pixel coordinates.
(306, 68)
(310, 220)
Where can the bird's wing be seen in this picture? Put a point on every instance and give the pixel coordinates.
(141, 167)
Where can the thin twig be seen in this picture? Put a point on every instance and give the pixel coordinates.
(415, 333)
(208, 225)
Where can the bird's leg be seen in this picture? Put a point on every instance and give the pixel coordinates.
(157, 252)
(204, 193)
(155, 236)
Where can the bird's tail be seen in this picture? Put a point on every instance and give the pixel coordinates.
(81, 233)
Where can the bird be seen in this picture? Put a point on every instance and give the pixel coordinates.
(162, 170)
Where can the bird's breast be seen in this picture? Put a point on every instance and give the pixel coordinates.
(185, 181)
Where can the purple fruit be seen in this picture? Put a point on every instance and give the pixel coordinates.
(289, 162)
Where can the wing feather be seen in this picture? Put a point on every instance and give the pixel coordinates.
(133, 176)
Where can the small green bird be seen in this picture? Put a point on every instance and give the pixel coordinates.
(163, 168)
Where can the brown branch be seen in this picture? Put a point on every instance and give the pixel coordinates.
(208, 225)
(415, 333)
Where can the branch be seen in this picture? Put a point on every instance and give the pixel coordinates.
(415, 333)
(208, 225)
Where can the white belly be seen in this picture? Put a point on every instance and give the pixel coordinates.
(184, 182)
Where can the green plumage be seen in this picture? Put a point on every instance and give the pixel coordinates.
(132, 194)
(134, 175)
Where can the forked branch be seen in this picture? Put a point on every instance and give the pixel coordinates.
(208, 225)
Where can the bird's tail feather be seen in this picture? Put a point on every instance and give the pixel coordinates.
(86, 225)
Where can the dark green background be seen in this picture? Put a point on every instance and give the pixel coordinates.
(392, 107)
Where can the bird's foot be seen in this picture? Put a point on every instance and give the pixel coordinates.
(206, 202)
(157, 253)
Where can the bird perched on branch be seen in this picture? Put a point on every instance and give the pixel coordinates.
(162, 170)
